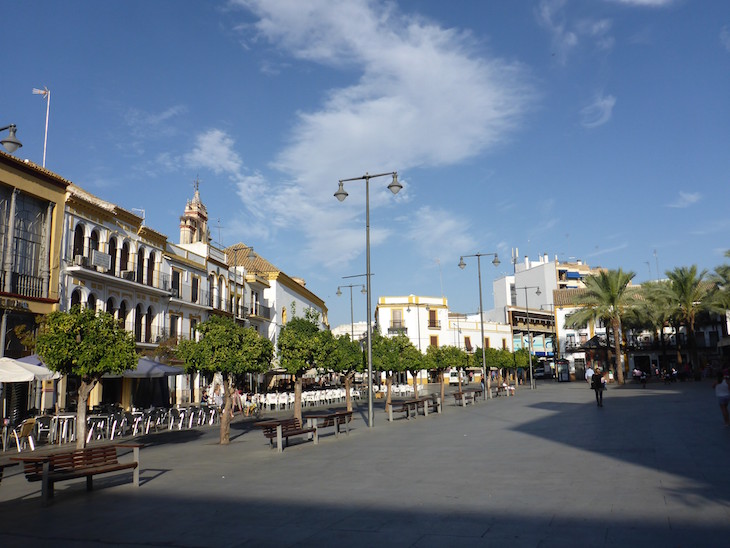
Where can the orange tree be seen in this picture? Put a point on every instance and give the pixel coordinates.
(90, 345)
(231, 349)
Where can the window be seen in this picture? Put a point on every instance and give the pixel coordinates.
(140, 266)
(175, 283)
(434, 340)
(78, 248)
(173, 326)
(113, 255)
(150, 269)
(467, 344)
(397, 318)
(124, 258)
(194, 290)
(193, 325)
(504, 344)
(486, 342)
(433, 319)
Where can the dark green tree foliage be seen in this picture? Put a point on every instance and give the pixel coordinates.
(230, 349)
(82, 343)
(302, 346)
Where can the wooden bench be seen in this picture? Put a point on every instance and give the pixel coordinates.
(336, 419)
(425, 404)
(463, 398)
(280, 430)
(66, 465)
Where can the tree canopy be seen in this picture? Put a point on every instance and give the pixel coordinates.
(84, 343)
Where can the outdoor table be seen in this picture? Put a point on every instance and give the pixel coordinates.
(60, 427)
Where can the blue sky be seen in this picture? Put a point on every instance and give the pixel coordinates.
(597, 130)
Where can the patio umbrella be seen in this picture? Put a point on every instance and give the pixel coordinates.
(12, 370)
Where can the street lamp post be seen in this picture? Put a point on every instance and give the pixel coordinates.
(352, 316)
(462, 265)
(10, 143)
(394, 187)
(529, 334)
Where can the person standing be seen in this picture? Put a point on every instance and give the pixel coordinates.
(589, 375)
(722, 393)
(598, 385)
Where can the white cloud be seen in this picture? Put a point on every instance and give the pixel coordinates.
(567, 36)
(725, 37)
(423, 96)
(214, 150)
(437, 232)
(685, 199)
(599, 112)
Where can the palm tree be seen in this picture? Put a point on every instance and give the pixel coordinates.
(691, 295)
(653, 310)
(606, 297)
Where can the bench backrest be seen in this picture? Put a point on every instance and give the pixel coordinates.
(73, 460)
(287, 425)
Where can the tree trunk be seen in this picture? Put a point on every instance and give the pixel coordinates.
(348, 382)
(226, 411)
(83, 399)
(617, 351)
(389, 385)
(298, 396)
(443, 386)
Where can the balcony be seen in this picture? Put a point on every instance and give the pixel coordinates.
(82, 265)
(260, 311)
(397, 327)
(434, 324)
(23, 285)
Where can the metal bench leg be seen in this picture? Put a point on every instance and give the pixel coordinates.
(136, 470)
(89, 483)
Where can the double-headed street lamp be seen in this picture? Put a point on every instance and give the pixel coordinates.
(529, 334)
(462, 265)
(394, 187)
(10, 143)
(352, 316)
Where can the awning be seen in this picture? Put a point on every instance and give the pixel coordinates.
(150, 369)
(12, 370)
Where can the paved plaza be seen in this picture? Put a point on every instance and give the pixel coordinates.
(544, 468)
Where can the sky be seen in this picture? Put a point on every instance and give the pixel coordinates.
(595, 130)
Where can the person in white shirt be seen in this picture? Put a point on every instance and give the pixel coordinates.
(589, 375)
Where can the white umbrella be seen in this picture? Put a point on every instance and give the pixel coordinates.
(34, 364)
(12, 371)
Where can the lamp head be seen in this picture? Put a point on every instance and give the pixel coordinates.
(11, 143)
(496, 260)
(538, 292)
(394, 185)
(339, 293)
(462, 264)
(341, 194)
(364, 290)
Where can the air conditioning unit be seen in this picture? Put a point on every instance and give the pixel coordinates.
(175, 292)
(80, 260)
(128, 275)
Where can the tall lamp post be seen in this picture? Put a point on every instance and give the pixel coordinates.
(10, 143)
(529, 334)
(352, 316)
(394, 187)
(462, 265)
(46, 93)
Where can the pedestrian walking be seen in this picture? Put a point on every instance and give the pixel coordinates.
(598, 383)
(722, 393)
(589, 375)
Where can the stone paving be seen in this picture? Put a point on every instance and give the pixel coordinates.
(544, 468)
